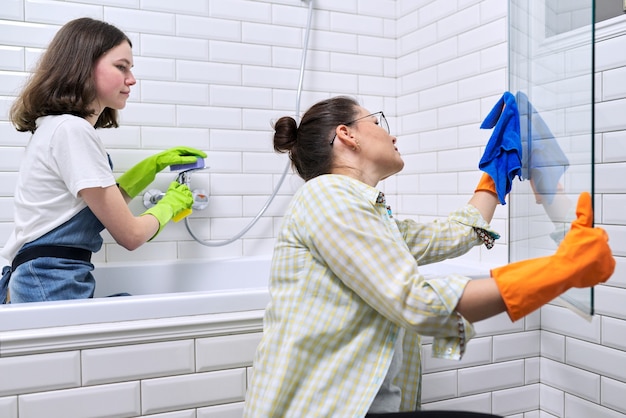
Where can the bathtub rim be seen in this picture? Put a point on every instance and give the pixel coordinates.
(79, 337)
(171, 305)
(139, 307)
(127, 308)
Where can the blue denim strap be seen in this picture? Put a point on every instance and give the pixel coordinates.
(4, 284)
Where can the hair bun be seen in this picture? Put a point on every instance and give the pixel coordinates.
(285, 134)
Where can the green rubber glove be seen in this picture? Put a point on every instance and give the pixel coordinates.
(141, 175)
(177, 199)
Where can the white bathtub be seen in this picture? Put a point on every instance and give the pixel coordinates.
(159, 289)
(172, 289)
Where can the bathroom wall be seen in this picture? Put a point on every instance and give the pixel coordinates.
(213, 74)
(580, 368)
(583, 365)
(451, 70)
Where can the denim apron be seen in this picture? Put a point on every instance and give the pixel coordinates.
(56, 278)
(53, 278)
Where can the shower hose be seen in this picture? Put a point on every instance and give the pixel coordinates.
(219, 243)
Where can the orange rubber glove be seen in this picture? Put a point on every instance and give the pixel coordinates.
(583, 259)
(486, 184)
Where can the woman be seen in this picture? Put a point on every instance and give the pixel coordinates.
(348, 304)
(66, 193)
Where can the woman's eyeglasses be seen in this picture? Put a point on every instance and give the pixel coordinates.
(380, 121)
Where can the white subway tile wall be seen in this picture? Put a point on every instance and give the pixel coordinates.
(115, 364)
(120, 399)
(213, 74)
(167, 393)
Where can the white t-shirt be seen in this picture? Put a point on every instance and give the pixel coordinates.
(64, 156)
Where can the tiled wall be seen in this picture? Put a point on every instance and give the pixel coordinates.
(593, 356)
(197, 368)
(213, 74)
(451, 70)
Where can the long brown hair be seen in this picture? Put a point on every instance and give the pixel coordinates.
(309, 145)
(63, 81)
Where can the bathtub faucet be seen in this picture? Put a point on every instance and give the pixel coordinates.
(200, 196)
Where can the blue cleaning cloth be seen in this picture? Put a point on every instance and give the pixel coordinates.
(502, 158)
(544, 162)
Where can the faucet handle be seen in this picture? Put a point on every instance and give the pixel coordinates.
(151, 197)
(200, 198)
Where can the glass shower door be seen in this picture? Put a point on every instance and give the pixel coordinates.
(551, 72)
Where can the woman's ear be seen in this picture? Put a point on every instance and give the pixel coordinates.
(344, 134)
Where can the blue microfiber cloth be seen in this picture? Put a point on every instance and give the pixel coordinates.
(544, 162)
(502, 158)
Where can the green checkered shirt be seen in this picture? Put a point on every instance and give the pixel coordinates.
(344, 281)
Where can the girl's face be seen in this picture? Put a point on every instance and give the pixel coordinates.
(113, 78)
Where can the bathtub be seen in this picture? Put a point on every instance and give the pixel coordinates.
(159, 290)
(172, 289)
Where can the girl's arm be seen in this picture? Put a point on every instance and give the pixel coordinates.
(110, 207)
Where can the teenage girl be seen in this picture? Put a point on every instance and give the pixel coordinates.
(66, 193)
